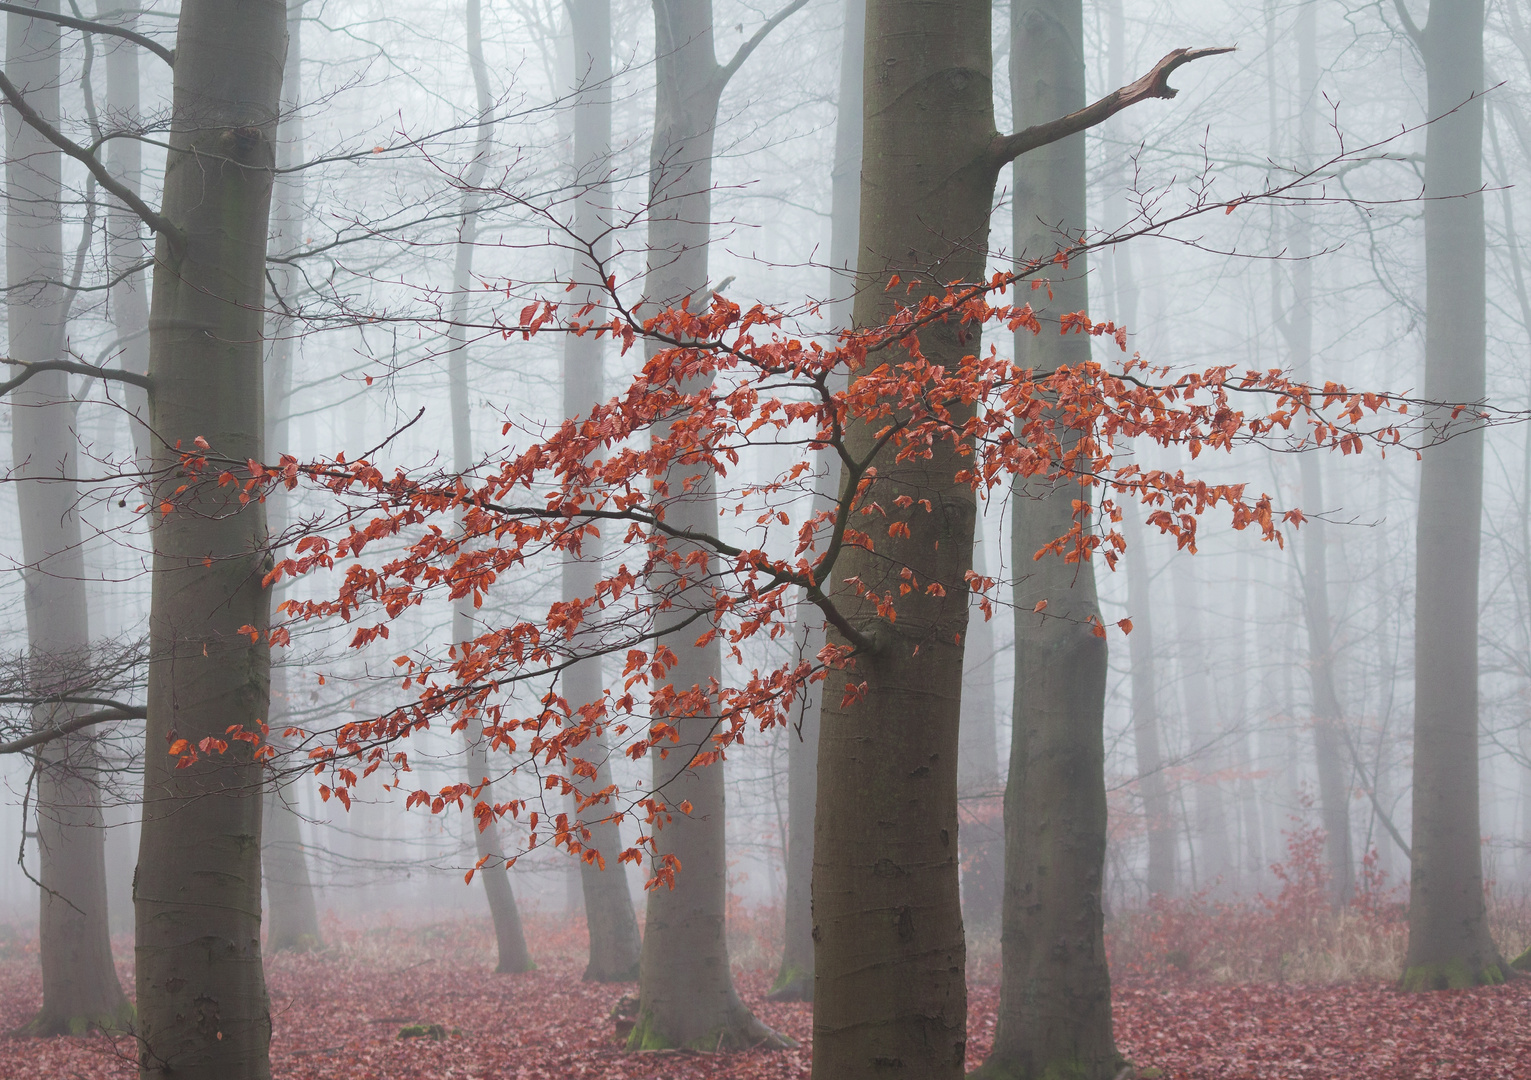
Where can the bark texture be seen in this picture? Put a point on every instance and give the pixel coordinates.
(1055, 991)
(292, 914)
(614, 941)
(202, 1005)
(1449, 943)
(794, 978)
(686, 990)
(80, 987)
(513, 956)
(890, 997)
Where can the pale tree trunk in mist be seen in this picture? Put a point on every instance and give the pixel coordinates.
(1206, 735)
(80, 987)
(609, 916)
(292, 915)
(128, 298)
(1055, 991)
(794, 978)
(1297, 327)
(202, 1007)
(1449, 943)
(1238, 681)
(1159, 816)
(510, 940)
(686, 992)
(981, 835)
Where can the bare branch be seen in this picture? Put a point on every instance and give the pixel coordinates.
(116, 711)
(150, 218)
(74, 367)
(726, 72)
(167, 55)
(1155, 84)
(1410, 27)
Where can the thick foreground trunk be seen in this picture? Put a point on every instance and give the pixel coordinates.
(1449, 942)
(80, 987)
(1055, 991)
(202, 1005)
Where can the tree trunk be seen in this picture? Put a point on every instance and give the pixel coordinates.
(202, 1005)
(1055, 991)
(80, 987)
(128, 297)
(1449, 943)
(981, 832)
(292, 914)
(686, 991)
(1333, 769)
(890, 957)
(794, 979)
(510, 939)
(1158, 813)
(1208, 752)
(614, 942)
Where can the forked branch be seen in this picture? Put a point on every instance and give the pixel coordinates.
(1155, 84)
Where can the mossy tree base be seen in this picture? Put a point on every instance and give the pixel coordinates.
(49, 1023)
(996, 1067)
(1455, 974)
(742, 1032)
(1522, 962)
(793, 983)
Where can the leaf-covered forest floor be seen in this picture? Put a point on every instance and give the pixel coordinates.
(338, 1016)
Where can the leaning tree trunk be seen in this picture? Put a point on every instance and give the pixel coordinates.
(1055, 991)
(510, 939)
(1449, 943)
(202, 1006)
(614, 941)
(80, 987)
(686, 991)
(292, 914)
(794, 978)
(1333, 770)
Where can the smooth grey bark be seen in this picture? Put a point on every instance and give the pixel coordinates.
(1213, 851)
(1296, 325)
(292, 915)
(129, 295)
(510, 939)
(794, 977)
(80, 987)
(1055, 990)
(203, 1012)
(1158, 813)
(1449, 942)
(615, 944)
(980, 832)
(686, 990)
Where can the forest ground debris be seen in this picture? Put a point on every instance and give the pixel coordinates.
(338, 1013)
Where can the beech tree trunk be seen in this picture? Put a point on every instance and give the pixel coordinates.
(794, 978)
(510, 939)
(614, 942)
(981, 833)
(80, 987)
(1449, 943)
(1158, 813)
(292, 914)
(1055, 991)
(202, 1007)
(686, 991)
(1334, 781)
(1213, 852)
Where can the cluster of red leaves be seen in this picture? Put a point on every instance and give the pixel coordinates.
(337, 1016)
(720, 382)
